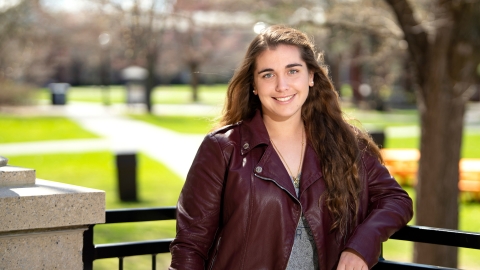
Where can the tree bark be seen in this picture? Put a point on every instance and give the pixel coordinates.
(437, 186)
(151, 81)
(356, 74)
(194, 79)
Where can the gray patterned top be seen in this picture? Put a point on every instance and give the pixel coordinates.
(304, 255)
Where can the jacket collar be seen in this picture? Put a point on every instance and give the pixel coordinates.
(254, 133)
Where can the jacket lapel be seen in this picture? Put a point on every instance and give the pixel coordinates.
(272, 168)
(254, 135)
(311, 169)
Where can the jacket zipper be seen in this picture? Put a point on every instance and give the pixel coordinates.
(216, 253)
(295, 197)
(270, 179)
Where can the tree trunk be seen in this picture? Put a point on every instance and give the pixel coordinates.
(441, 115)
(437, 187)
(194, 80)
(333, 62)
(150, 84)
(356, 75)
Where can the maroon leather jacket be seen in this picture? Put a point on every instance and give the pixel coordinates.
(237, 209)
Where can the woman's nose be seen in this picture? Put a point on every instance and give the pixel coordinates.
(282, 83)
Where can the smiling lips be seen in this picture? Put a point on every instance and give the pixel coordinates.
(283, 99)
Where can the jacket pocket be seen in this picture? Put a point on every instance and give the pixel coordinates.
(215, 254)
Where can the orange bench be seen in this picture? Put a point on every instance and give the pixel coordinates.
(470, 176)
(403, 164)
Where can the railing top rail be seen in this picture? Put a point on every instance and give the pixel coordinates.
(140, 214)
(438, 236)
(104, 251)
(391, 265)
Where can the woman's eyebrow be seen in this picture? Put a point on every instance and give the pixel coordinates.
(265, 70)
(294, 65)
(287, 66)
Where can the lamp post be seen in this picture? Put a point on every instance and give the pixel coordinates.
(104, 41)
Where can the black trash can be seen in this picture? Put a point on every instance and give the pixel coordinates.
(59, 93)
(378, 137)
(127, 176)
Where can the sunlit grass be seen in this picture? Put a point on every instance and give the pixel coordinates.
(164, 94)
(471, 146)
(39, 128)
(182, 124)
(182, 94)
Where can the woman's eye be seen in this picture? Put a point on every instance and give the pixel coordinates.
(293, 71)
(268, 75)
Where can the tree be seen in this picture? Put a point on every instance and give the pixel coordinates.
(143, 25)
(444, 51)
(196, 46)
(21, 50)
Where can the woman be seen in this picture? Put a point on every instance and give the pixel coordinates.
(286, 183)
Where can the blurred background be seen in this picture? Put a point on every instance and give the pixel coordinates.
(85, 83)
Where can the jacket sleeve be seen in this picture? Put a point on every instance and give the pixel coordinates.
(389, 209)
(198, 207)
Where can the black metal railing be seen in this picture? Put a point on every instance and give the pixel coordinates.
(93, 252)
(429, 235)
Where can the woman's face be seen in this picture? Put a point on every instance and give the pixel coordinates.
(281, 81)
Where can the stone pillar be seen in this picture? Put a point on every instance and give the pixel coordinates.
(42, 222)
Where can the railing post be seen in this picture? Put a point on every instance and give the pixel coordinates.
(154, 261)
(88, 249)
(381, 253)
(120, 263)
(42, 223)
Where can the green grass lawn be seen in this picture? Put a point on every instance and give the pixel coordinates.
(164, 94)
(182, 124)
(39, 128)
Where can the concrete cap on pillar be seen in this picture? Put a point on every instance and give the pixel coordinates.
(15, 176)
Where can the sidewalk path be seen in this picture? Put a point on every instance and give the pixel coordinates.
(173, 149)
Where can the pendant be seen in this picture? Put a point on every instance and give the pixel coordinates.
(296, 182)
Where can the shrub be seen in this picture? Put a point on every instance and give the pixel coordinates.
(12, 93)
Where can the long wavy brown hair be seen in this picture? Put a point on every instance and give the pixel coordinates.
(337, 144)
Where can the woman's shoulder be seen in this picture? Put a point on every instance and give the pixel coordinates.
(223, 129)
(225, 135)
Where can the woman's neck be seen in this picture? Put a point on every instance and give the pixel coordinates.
(289, 128)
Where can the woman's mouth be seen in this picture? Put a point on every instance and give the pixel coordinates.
(283, 99)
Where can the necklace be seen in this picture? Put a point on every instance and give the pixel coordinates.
(296, 179)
